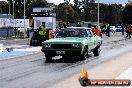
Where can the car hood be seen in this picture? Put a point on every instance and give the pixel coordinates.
(65, 40)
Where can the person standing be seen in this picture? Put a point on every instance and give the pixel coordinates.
(123, 30)
(97, 31)
(129, 31)
(108, 30)
(126, 26)
(42, 34)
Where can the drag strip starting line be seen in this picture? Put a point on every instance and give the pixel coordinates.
(19, 53)
(14, 54)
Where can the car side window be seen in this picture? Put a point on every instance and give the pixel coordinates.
(84, 33)
(92, 33)
(89, 34)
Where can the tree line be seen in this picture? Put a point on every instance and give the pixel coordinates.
(81, 10)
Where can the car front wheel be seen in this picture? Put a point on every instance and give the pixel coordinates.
(96, 51)
(48, 58)
(84, 56)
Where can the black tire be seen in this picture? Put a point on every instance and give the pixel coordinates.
(84, 56)
(30, 42)
(48, 58)
(96, 51)
(101, 43)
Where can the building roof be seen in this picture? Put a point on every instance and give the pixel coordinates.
(40, 7)
(50, 5)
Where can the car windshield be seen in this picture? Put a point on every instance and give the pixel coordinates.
(71, 33)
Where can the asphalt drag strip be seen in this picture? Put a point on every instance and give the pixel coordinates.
(32, 71)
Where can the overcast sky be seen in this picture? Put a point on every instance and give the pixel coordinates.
(102, 1)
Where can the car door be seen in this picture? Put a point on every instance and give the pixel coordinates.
(91, 40)
(97, 39)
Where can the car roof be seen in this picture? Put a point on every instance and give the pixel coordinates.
(77, 28)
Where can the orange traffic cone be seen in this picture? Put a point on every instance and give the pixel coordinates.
(84, 73)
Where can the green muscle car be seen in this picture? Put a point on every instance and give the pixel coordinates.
(72, 42)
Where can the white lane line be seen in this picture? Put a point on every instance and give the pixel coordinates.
(29, 49)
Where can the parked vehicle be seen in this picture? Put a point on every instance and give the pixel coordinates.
(112, 29)
(103, 30)
(118, 29)
(72, 42)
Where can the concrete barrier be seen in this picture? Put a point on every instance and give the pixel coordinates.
(6, 32)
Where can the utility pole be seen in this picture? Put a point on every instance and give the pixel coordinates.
(9, 9)
(98, 13)
(52, 17)
(13, 9)
(13, 18)
(24, 16)
(9, 19)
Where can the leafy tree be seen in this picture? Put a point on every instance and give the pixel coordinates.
(90, 11)
(66, 13)
(127, 14)
(110, 13)
(4, 7)
(67, 2)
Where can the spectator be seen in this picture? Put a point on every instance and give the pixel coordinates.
(129, 31)
(108, 30)
(123, 30)
(97, 31)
